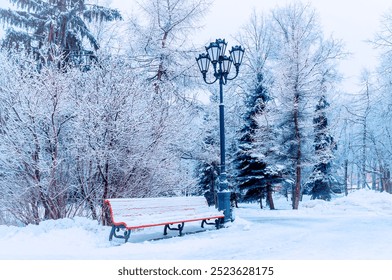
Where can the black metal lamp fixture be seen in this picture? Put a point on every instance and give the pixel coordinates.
(221, 63)
(222, 66)
(237, 53)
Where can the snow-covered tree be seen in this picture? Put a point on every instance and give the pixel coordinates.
(160, 40)
(207, 170)
(321, 179)
(359, 110)
(250, 165)
(53, 26)
(159, 49)
(70, 139)
(302, 56)
(381, 98)
(36, 116)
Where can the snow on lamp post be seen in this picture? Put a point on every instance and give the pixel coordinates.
(221, 69)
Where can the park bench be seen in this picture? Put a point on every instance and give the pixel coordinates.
(129, 214)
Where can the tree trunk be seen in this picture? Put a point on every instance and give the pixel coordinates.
(89, 183)
(345, 177)
(363, 166)
(37, 178)
(269, 197)
(106, 192)
(381, 186)
(359, 179)
(297, 186)
(261, 200)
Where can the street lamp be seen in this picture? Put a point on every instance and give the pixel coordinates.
(221, 67)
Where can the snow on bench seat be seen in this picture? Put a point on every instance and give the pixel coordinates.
(132, 213)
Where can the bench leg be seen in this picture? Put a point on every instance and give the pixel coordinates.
(180, 227)
(116, 229)
(216, 223)
(127, 234)
(204, 222)
(112, 233)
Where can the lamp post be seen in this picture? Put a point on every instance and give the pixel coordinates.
(221, 67)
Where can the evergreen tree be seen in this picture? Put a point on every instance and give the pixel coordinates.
(250, 168)
(53, 27)
(321, 179)
(207, 167)
(208, 174)
(249, 161)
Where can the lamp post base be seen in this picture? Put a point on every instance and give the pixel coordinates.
(225, 205)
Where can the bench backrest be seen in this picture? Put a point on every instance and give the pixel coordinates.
(144, 212)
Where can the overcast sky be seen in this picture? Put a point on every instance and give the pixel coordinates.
(353, 21)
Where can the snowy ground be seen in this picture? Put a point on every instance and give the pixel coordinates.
(356, 227)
